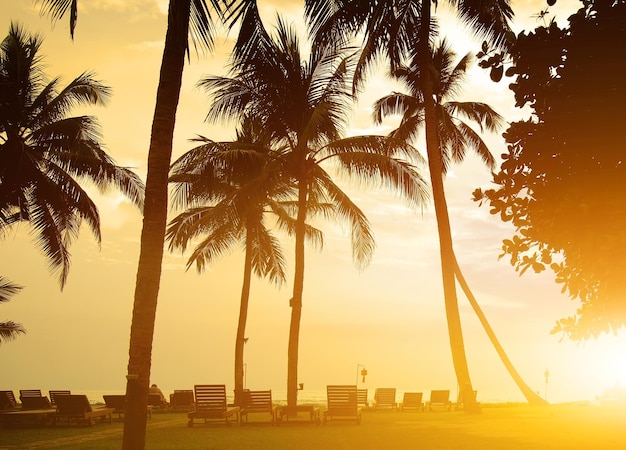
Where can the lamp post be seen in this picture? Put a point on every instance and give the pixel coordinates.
(547, 375)
(363, 372)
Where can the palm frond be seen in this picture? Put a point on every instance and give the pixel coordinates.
(8, 289)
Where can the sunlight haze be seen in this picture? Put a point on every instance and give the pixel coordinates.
(389, 317)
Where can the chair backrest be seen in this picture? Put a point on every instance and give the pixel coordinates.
(361, 397)
(115, 401)
(181, 398)
(385, 396)
(440, 396)
(412, 398)
(29, 393)
(342, 397)
(7, 400)
(156, 400)
(257, 400)
(210, 397)
(30, 403)
(73, 404)
(53, 395)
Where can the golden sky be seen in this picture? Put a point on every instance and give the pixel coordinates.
(389, 318)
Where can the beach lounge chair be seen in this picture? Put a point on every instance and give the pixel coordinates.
(412, 400)
(258, 402)
(342, 403)
(53, 394)
(117, 402)
(211, 406)
(7, 401)
(29, 393)
(181, 400)
(32, 403)
(77, 407)
(439, 398)
(157, 402)
(361, 398)
(385, 398)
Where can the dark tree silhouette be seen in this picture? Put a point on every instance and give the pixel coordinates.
(561, 180)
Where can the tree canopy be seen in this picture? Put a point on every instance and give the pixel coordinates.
(562, 179)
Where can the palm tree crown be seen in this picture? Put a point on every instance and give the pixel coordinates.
(44, 153)
(456, 136)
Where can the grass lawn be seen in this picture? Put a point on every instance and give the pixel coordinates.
(507, 427)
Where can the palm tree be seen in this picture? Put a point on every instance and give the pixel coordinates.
(304, 106)
(184, 17)
(401, 29)
(9, 329)
(455, 136)
(44, 153)
(229, 188)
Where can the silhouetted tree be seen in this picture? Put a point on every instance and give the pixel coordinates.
(229, 189)
(562, 179)
(45, 153)
(184, 17)
(401, 29)
(304, 104)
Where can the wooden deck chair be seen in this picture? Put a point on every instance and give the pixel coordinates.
(182, 400)
(342, 403)
(117, 402)
(77, 407)
(385, 398)
(412, 400)
(32, 403)
(29, 393)
(7, 401)
(53, 394)
(361, 398)
(439, 398)
(258, 402)
(211, 405)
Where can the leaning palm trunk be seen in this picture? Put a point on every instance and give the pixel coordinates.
(243, 317)
(435, 166)
(154, 221)
(530, 395)
(296, 299)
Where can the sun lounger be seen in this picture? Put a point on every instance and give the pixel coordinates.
(7, 401)
(211, 406)
(31, 403)
(439, 398)
(53, 394)
(29, 393)
(258, 402)
(412, 400)
(361, 398)
(117, 402)
(182, 400)
(77, 407)
(342, 403)
(385, 398)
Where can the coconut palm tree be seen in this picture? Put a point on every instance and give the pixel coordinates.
(304, 105)
(401, 30)
(229, 188)
(9, 329)
(185, 17)
(45, 153)
(456, 136)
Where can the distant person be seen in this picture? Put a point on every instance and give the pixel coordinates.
(155, 390)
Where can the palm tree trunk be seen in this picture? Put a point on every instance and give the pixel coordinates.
(530, 395)
(154, 221)
(435, 165)
(243, 317)
(296, 299)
